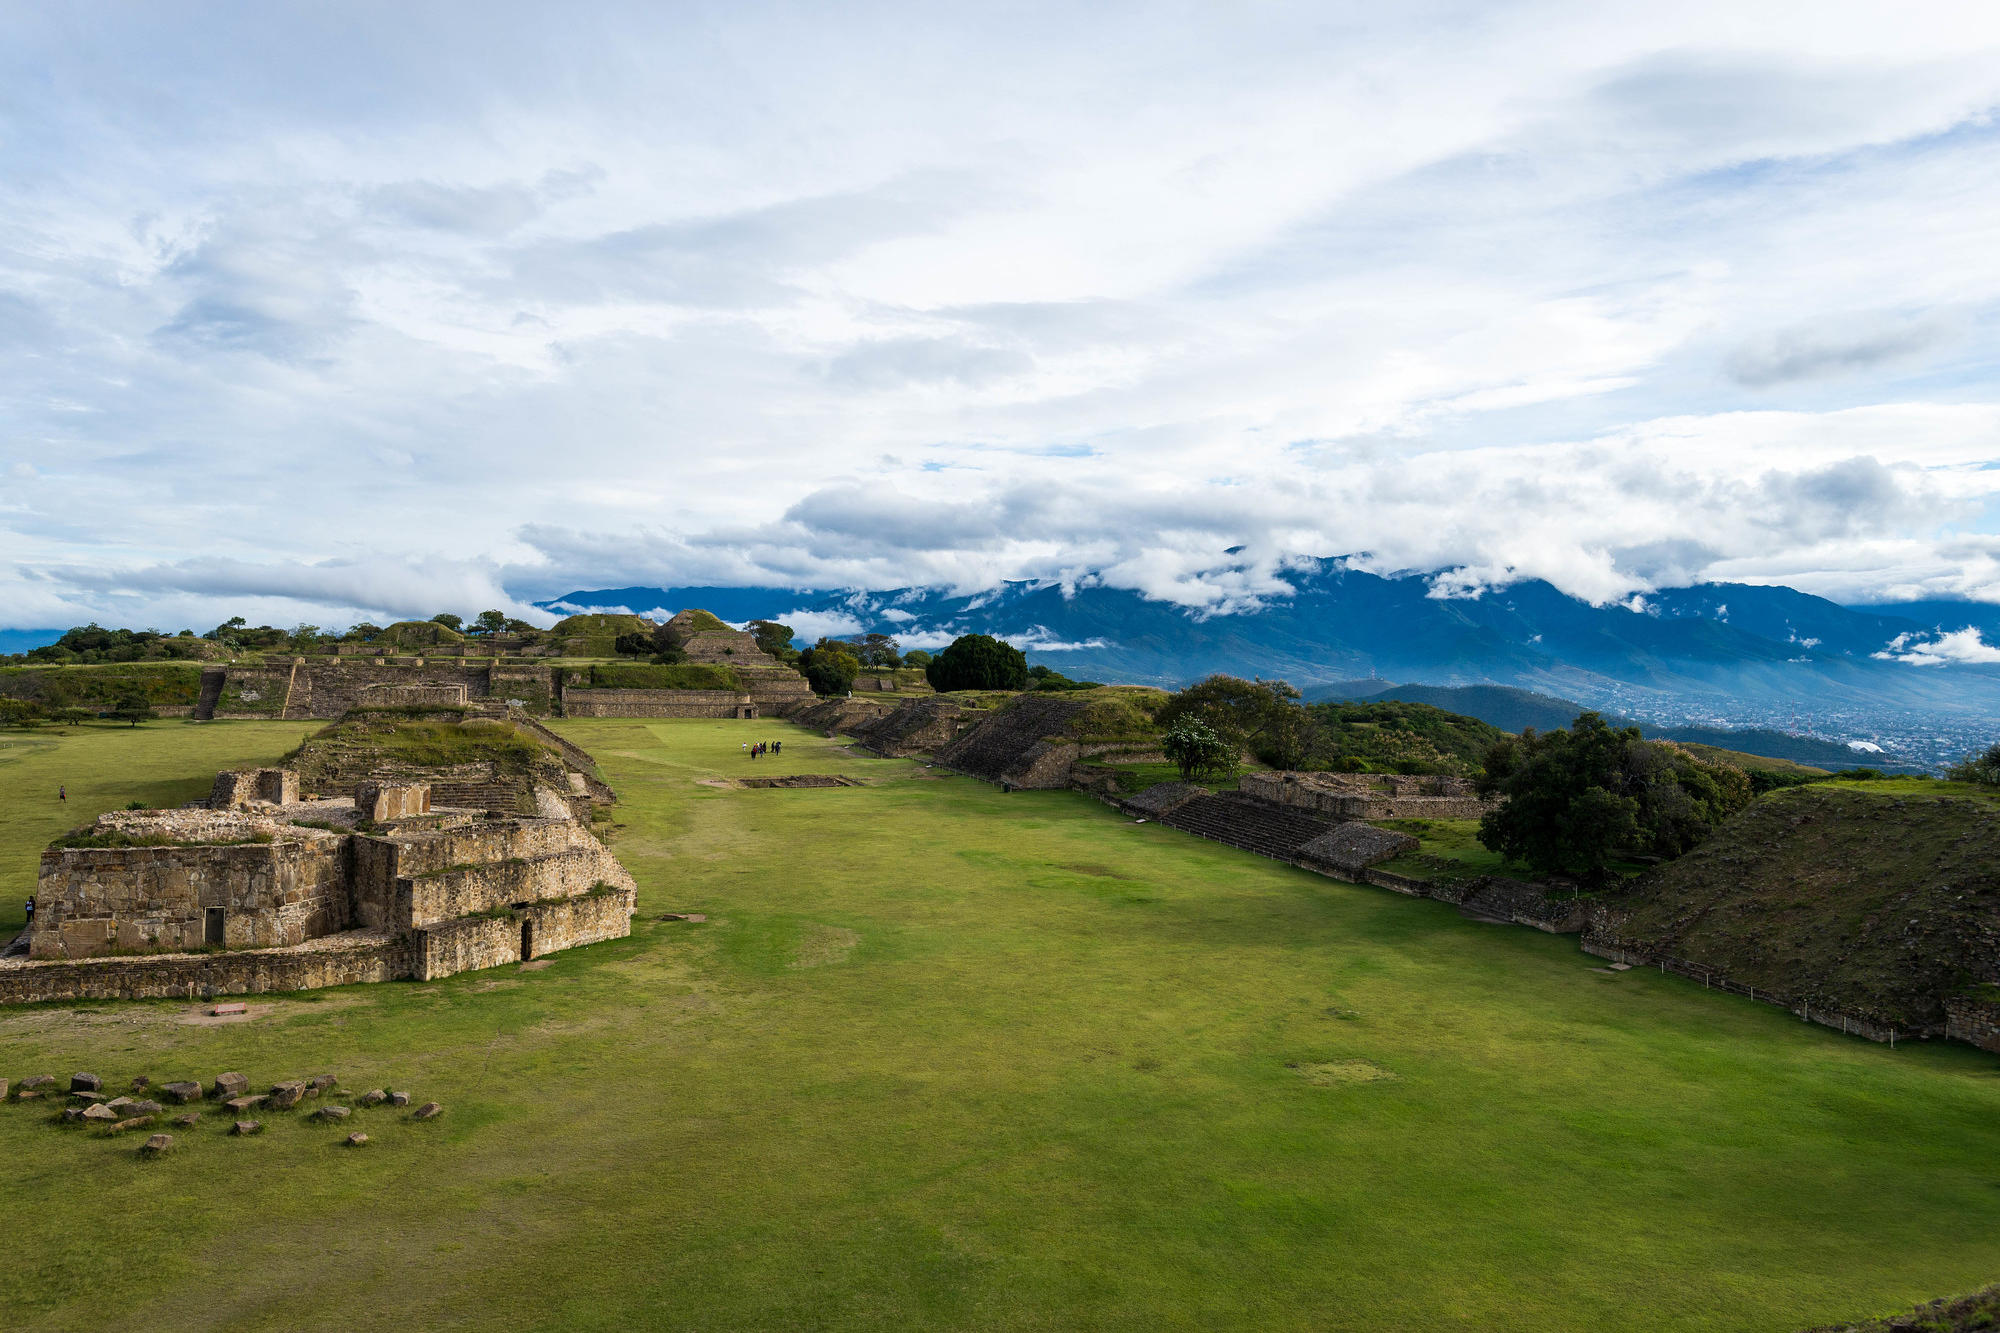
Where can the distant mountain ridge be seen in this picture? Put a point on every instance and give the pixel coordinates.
(1712, 649)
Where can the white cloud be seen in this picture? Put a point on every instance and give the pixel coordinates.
(1961, 647)
(1618, 296)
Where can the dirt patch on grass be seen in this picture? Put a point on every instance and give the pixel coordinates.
(821, 946)
(800, 780)
(1336, 1073)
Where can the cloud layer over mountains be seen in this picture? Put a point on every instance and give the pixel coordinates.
(321, 313)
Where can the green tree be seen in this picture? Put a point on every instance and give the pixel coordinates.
(1982, 768)
(489, 622)
(1574, 800)
(830, 671)
(1262, 716)
(448, 620)
(133, 708)
(775, 639)
(1196, 749)
(916, 657)
(978, 662)
(637, 644)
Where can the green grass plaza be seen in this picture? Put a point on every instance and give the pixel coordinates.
(945, 1057)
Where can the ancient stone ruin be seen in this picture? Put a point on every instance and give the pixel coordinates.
(247, 894)
(1368, 795)
(454, 677)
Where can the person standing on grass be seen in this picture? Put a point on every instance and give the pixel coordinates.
(30, 904)
(62, 794)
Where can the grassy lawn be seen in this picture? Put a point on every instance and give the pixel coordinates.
(943, 1057)
(107, 766)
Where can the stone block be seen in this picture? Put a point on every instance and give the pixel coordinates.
(37, 1082)
(87, 1098)
(242, 1127)
(3, 1089)
(321, 1084)
(285, 1096)
(356, 1140)
(26, 1096)
(374, 1098)
(399, 1099)
(156, 1145)
(331, 1113)
(428, 1111)
(238, 1105)
(144, 1108)
(72, 1115)
(99, 1114)
(136, 1122)
(188, 1121)
(85, 1083)
(118, 1104)
(230, 1085)
(182, 1093)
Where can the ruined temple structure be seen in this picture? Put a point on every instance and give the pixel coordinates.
(257, 889)
(1368, 795)
(331, 684)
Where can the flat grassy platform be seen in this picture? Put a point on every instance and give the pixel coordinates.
(943, 1057)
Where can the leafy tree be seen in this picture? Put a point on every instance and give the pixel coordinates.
(448, 620)
(22, 713)
(133, 708)
(916, 657)
(363, 632)
(978, 662)
(775, 639)
(1573, 800)
(830, 671)
(1260, 715)
(223, 631)
(489, 622)
(520, 627)
(636, 644)
(1982, 768)
(304, 636)
(1196, 748)
(878, 650)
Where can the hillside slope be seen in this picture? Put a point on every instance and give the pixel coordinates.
(1878, 904)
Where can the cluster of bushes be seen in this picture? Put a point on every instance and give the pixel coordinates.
(1574, 800)
(92, 644)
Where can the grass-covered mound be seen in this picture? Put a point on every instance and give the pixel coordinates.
(991, 1061)
(160, 684)
(367, 743)
(599, 625)
(418, 634)
(1398, 737)
(659, 676)
(1881, 899)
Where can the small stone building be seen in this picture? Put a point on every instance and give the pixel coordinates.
(251, 893)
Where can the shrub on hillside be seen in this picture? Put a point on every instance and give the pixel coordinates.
(978, 662)
(1262, 716)
(829, 669)
(1572, 801)
(1197, 749)
(1982, 768)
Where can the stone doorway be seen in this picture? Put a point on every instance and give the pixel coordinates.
(211, 926)
(527, 940)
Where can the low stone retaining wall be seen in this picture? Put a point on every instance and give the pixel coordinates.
(1852, 1024)
(465, 945)
(657, 703)
(482, 888)
(369, 956)
(569, 922)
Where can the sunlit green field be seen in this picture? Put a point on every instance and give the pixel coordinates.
(943, 1057)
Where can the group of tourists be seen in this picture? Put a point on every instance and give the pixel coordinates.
(764, 747)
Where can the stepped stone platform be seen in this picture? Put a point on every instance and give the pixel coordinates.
(1250, 825)
(1019, 746)
(919, 726)
(1351, 848)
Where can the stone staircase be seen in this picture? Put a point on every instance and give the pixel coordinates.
(212, 681)
(1250, 825)
(17, 947)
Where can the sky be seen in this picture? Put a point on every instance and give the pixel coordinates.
(334, 312)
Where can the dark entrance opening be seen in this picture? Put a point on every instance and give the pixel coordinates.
(211, 926)
(527, 940)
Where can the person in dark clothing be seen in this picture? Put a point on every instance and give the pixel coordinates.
(62, 793)
(31, 911)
